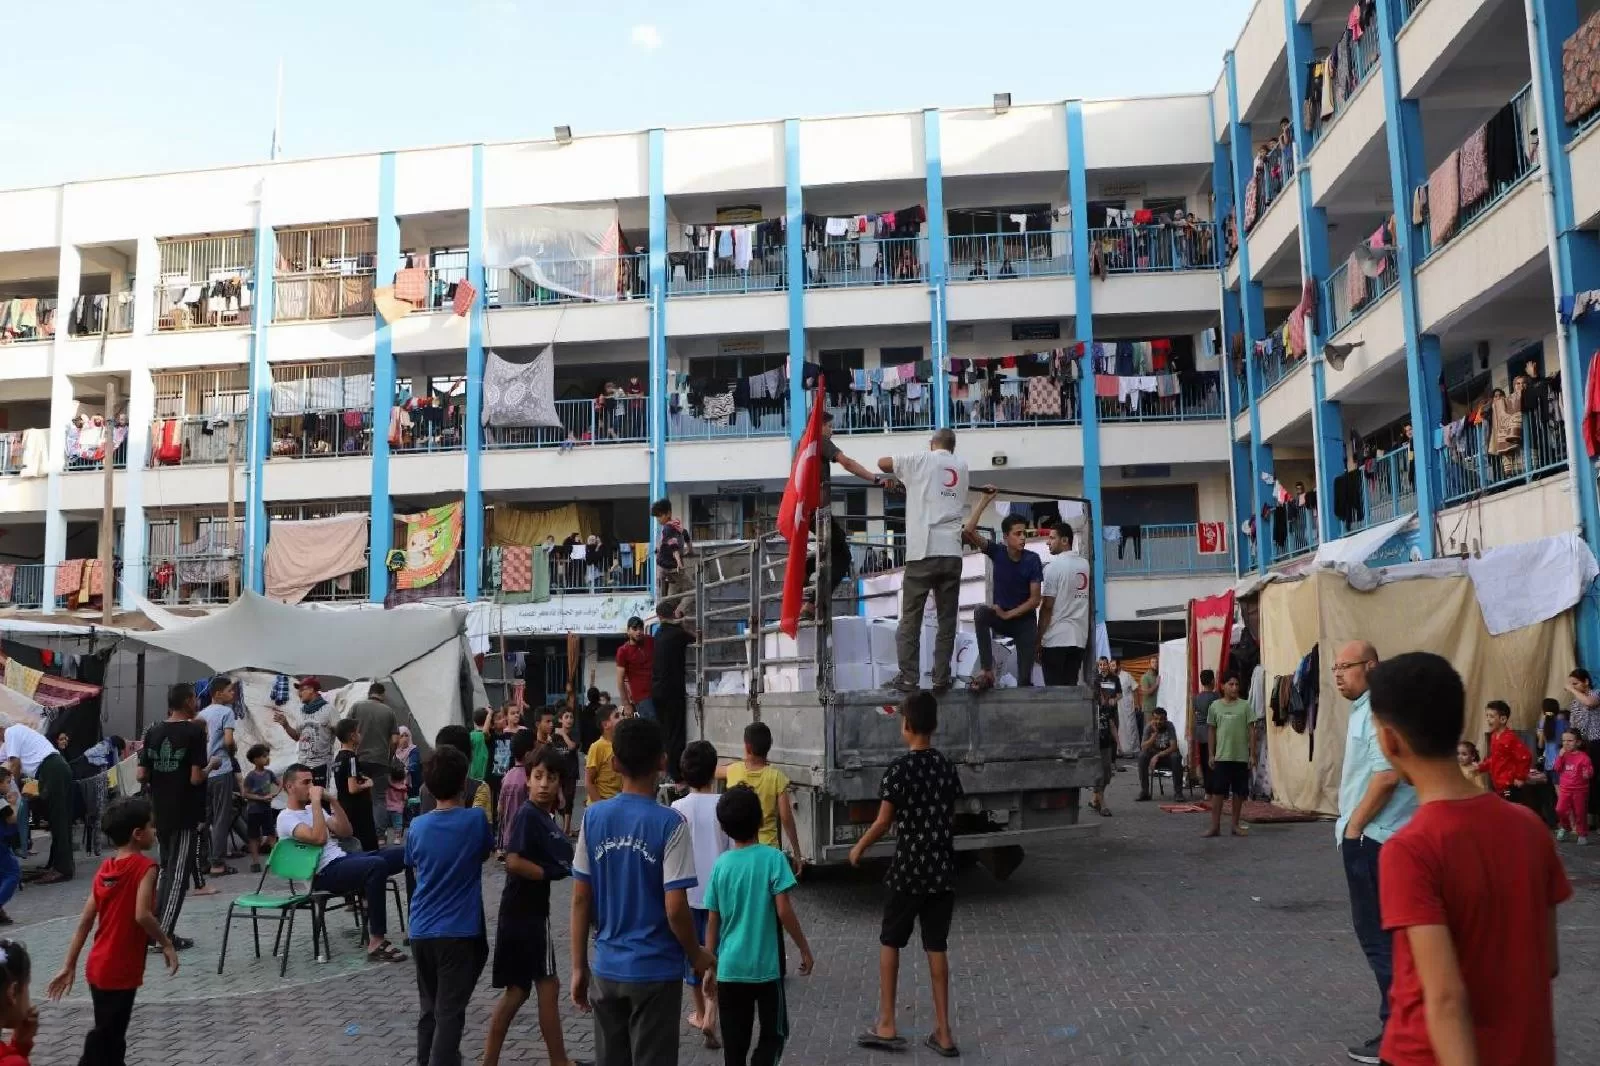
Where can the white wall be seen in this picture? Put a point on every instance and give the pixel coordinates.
(869, 148)
(1147, 132)
(438, 179)
(1260, 46)
(715, 158)
(28, 219)
(1585, 158)
(1351, 130)
(589, 170)
(1481, 259)
(1024, 139)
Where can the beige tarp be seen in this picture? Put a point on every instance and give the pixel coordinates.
(302, 554)
(1424, 614)
(512, 526)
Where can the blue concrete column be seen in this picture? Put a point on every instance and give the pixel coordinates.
(794, 259)
(1083, 328)
(473, 525)
(1402, 126)
(1252, 315)
(938, 269)
(658, 331)
(381, 531)
(259, 444)
(1327, 418)
(1577, 270)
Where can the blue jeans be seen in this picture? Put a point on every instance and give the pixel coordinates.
(1361, 873)
(10, 872)
(367, 873)
(646, 708)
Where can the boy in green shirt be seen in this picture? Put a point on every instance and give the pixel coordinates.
(747, 899)
(1232, 733)
(478, 764)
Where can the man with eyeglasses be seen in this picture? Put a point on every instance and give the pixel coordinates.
(1374, 804)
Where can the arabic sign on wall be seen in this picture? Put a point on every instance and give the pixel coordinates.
(599, 615)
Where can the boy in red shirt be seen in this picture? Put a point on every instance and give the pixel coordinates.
(124, 897)
(1509, 762)
(1469, 889)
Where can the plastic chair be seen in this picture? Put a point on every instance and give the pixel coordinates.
(291, 861)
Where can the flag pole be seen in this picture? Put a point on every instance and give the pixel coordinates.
(277, 116)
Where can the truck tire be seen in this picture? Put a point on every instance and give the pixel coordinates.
(1003, 861)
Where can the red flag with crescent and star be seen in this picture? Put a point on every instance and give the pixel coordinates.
(801, 498)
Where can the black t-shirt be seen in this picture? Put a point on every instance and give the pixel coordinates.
(923, 786)
(357, 805)
(669, 673)
(171, 750)
(1164, 737)
(536, 837)
(1108, 689)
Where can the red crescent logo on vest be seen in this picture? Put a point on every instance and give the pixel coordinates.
(1083, 582)
(950, 477)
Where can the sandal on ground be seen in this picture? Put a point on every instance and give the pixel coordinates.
(871, 1039)
(386, 952)
(1105, 812)
(224, 871)
(951, 1052)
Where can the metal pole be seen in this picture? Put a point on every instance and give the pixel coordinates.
(233, 561)
(138, 695)
(108, 584)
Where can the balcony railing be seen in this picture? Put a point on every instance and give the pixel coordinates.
(1362, 61)
(1162, 549)
(322, 434)
(1301, 538)
(426, 437)
(1154, 249)
(1344, 300)
(615, 570)
(189, 579)
(26, 320)
(1503, 184)
(596, 279)
(621, 420)
(442, 282)
(1241, 391)
(322, 295)
(1271, 178)
(686, 425)
(1176, 399)
(1469, 469)
(1383, 490)
(1274, 364)
(978, 410)
(858, 264)
(689, 275)
(202, 440)
(119, 457)
(1407, 9)
(891, 414)
(999, 256)
(93, 315)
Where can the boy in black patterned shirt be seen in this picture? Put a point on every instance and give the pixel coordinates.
(919, 792)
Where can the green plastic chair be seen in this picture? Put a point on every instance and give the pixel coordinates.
(291, 861)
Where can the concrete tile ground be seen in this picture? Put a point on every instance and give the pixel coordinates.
(1146, 945)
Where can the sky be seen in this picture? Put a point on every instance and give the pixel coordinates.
(147, 87)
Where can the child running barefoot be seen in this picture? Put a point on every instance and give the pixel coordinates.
(537, 852)
(919, 792)
(1572, 773)
(17, 1012)
(747, 900)
(699, 808)
(123, 898)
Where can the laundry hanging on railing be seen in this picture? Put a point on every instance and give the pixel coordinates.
(88, 435)
(520, 394)
(301, 555)
(28, 318)
(432, 539)
(211, 557)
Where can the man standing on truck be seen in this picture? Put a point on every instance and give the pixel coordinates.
(1018, 579)
(1064, 612)
(936, 493)
(669, 681)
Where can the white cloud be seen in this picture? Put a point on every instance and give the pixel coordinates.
(646, 37)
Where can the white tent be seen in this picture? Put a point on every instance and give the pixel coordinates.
(422, 656)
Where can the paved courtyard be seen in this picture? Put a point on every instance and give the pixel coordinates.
(1146, 945)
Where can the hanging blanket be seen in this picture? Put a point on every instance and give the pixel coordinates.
(69, 577)
(23, 679)
(8, 582)
(1355, 283)
(1250, 205)
(53, 691)
(1444, 199)
(432, 538)
(448, 584)
(207, 559)
(516, 569)
(411, 285)
(520, 394)
(301, 554)
(1580, 70)
(461, 302)
(1475, 167)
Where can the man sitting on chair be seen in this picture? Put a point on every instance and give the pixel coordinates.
(1160, 749)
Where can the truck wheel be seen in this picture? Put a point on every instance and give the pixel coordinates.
(1002, 862)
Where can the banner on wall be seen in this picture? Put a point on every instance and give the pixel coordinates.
(595, 615)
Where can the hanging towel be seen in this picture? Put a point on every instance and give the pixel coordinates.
(461, 302)
(1105, 386)
(299, 555)
(432, 538)
(516, 569)
(1475, 167)
(69, 577)
(520, 394)
(411, 285)
(1444, 199)
(1355, 282)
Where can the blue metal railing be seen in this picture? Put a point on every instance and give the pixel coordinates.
(1155, 249)
(998, 256)
(28, 585)
(1241, 391)
(596, 279)
(890, 414)
(1302, 538)
(614, 571)
(1162, 549)
(1388, 489)
(1195, 401)
(855, 264)
(1342, 306)
(620, 420)
(423, 438)
(119, 460)
(979, 411)
(1407, 9)
(1364, 57)
(204, 440)
(1275, 172)
(1275, 365)
(1467, 468)
(686, 425)
(313, 435)
(1501, 189)
(689, 274)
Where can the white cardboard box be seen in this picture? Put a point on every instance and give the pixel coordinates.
(852, 641)
(881, 636)
(855, 677)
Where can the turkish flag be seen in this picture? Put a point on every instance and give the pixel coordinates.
(801, 498)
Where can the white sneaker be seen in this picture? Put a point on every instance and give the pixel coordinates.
(1583, 842)
(1561, 834)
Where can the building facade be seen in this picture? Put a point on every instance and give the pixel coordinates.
(1087, 291)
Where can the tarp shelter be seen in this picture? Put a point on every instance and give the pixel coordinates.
(421, 655)
(1418, 607)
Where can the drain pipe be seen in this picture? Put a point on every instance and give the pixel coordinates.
(1577, 466)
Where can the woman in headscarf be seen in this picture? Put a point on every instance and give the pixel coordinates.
(410, 756)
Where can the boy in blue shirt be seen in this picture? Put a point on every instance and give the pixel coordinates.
(537, 852)
(632, 870)
(742, 931)
(447, 848)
